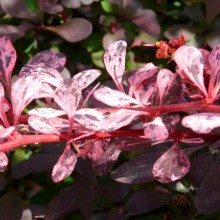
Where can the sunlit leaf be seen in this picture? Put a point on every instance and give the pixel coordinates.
(46, 112)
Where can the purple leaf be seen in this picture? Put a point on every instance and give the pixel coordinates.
(190, 60)
(114, 60)
(146, 200)
(104, 120)
(9, 200)
(207, 198)
(52, 59)
(104, 164)
(52, 7)
(113, 98)
(23, 91)
(42, 125)
(74, 30)
(7, 60)
(3, 161)
(202, 123)
(147, 20)
(46, 112)
(172, 165)
(170, 121)
(65, 165)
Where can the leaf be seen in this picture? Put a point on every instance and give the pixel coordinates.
(3, 161)
(207, 198)
(202, 123)
(5, 132)
(104, 164)
(74, 30)
(52, 8)
(65, 165)
(146, 200)
(114, 60)
(23, 91)
(146, 19)
(170, 87)
(8, 58)
(212, 9)
(95, 150)
(53, 59)
(139, 169)
(46, 112)
(104, 120)
(42, 125)
(113, 98)
(190, 60)
(172, 165)
(9, 200)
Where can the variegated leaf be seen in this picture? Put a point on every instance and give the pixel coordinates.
(3, 161)
(172, 165)
(46, 112)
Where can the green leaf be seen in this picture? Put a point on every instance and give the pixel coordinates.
(97, 58)
(110, 8)
(32, 5)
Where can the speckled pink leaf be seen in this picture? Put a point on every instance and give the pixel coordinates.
(114, 60)
(3, 161)
(65, 165)
(52, 59)
(23, 91)
(202, 122)
(46, 112)
(104, 120)
(172, 165)
(2, 105)
(113, 98)
(7, 60)
(5, 132)
(190, 60)
(104, 164)
(42, 125)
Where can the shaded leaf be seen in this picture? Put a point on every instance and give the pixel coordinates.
(146, 200)
(74, 30)
(190, 60)
(3, 161)
(8, 201)
(52, 8)
(146, 19)
(46, 112)
(212, 9)
(65, 165)
(114, 60)
(104, 120)
(202, 123)
(26, 215)
(207, 198)
(42, 125)
(95, 151)
(113, 98)
(172, 165)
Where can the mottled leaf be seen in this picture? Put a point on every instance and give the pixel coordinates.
(104, 120)
(74, 30)
(46, 112)
(96, 150)
(8, 58)
(3, 161)
(190, 60)
(104, 164)
(172, 165)
(4, 133)
(9, 201)
(146, 19)
(146, 200)
(207, 198)
(42, 125)
(113, 98)
(65, 165)
(114, 60)
(202, 123)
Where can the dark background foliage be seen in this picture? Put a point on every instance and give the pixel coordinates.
(82, 30)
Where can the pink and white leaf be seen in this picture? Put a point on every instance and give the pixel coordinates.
(144, 92)
(46, 112)
(114, 60)
(202, 123)
(53, 59)
(113, 97)
(155, 130)
(61, 124)
(23, 91)
(3, 161)
(190, 60)
(65, 165)
(67, 96)
(85, 78)
(171, 121)
(5, 132)
(8, 58)
(42, 125)
(3, 106)
(105, 120)
(172, 165)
